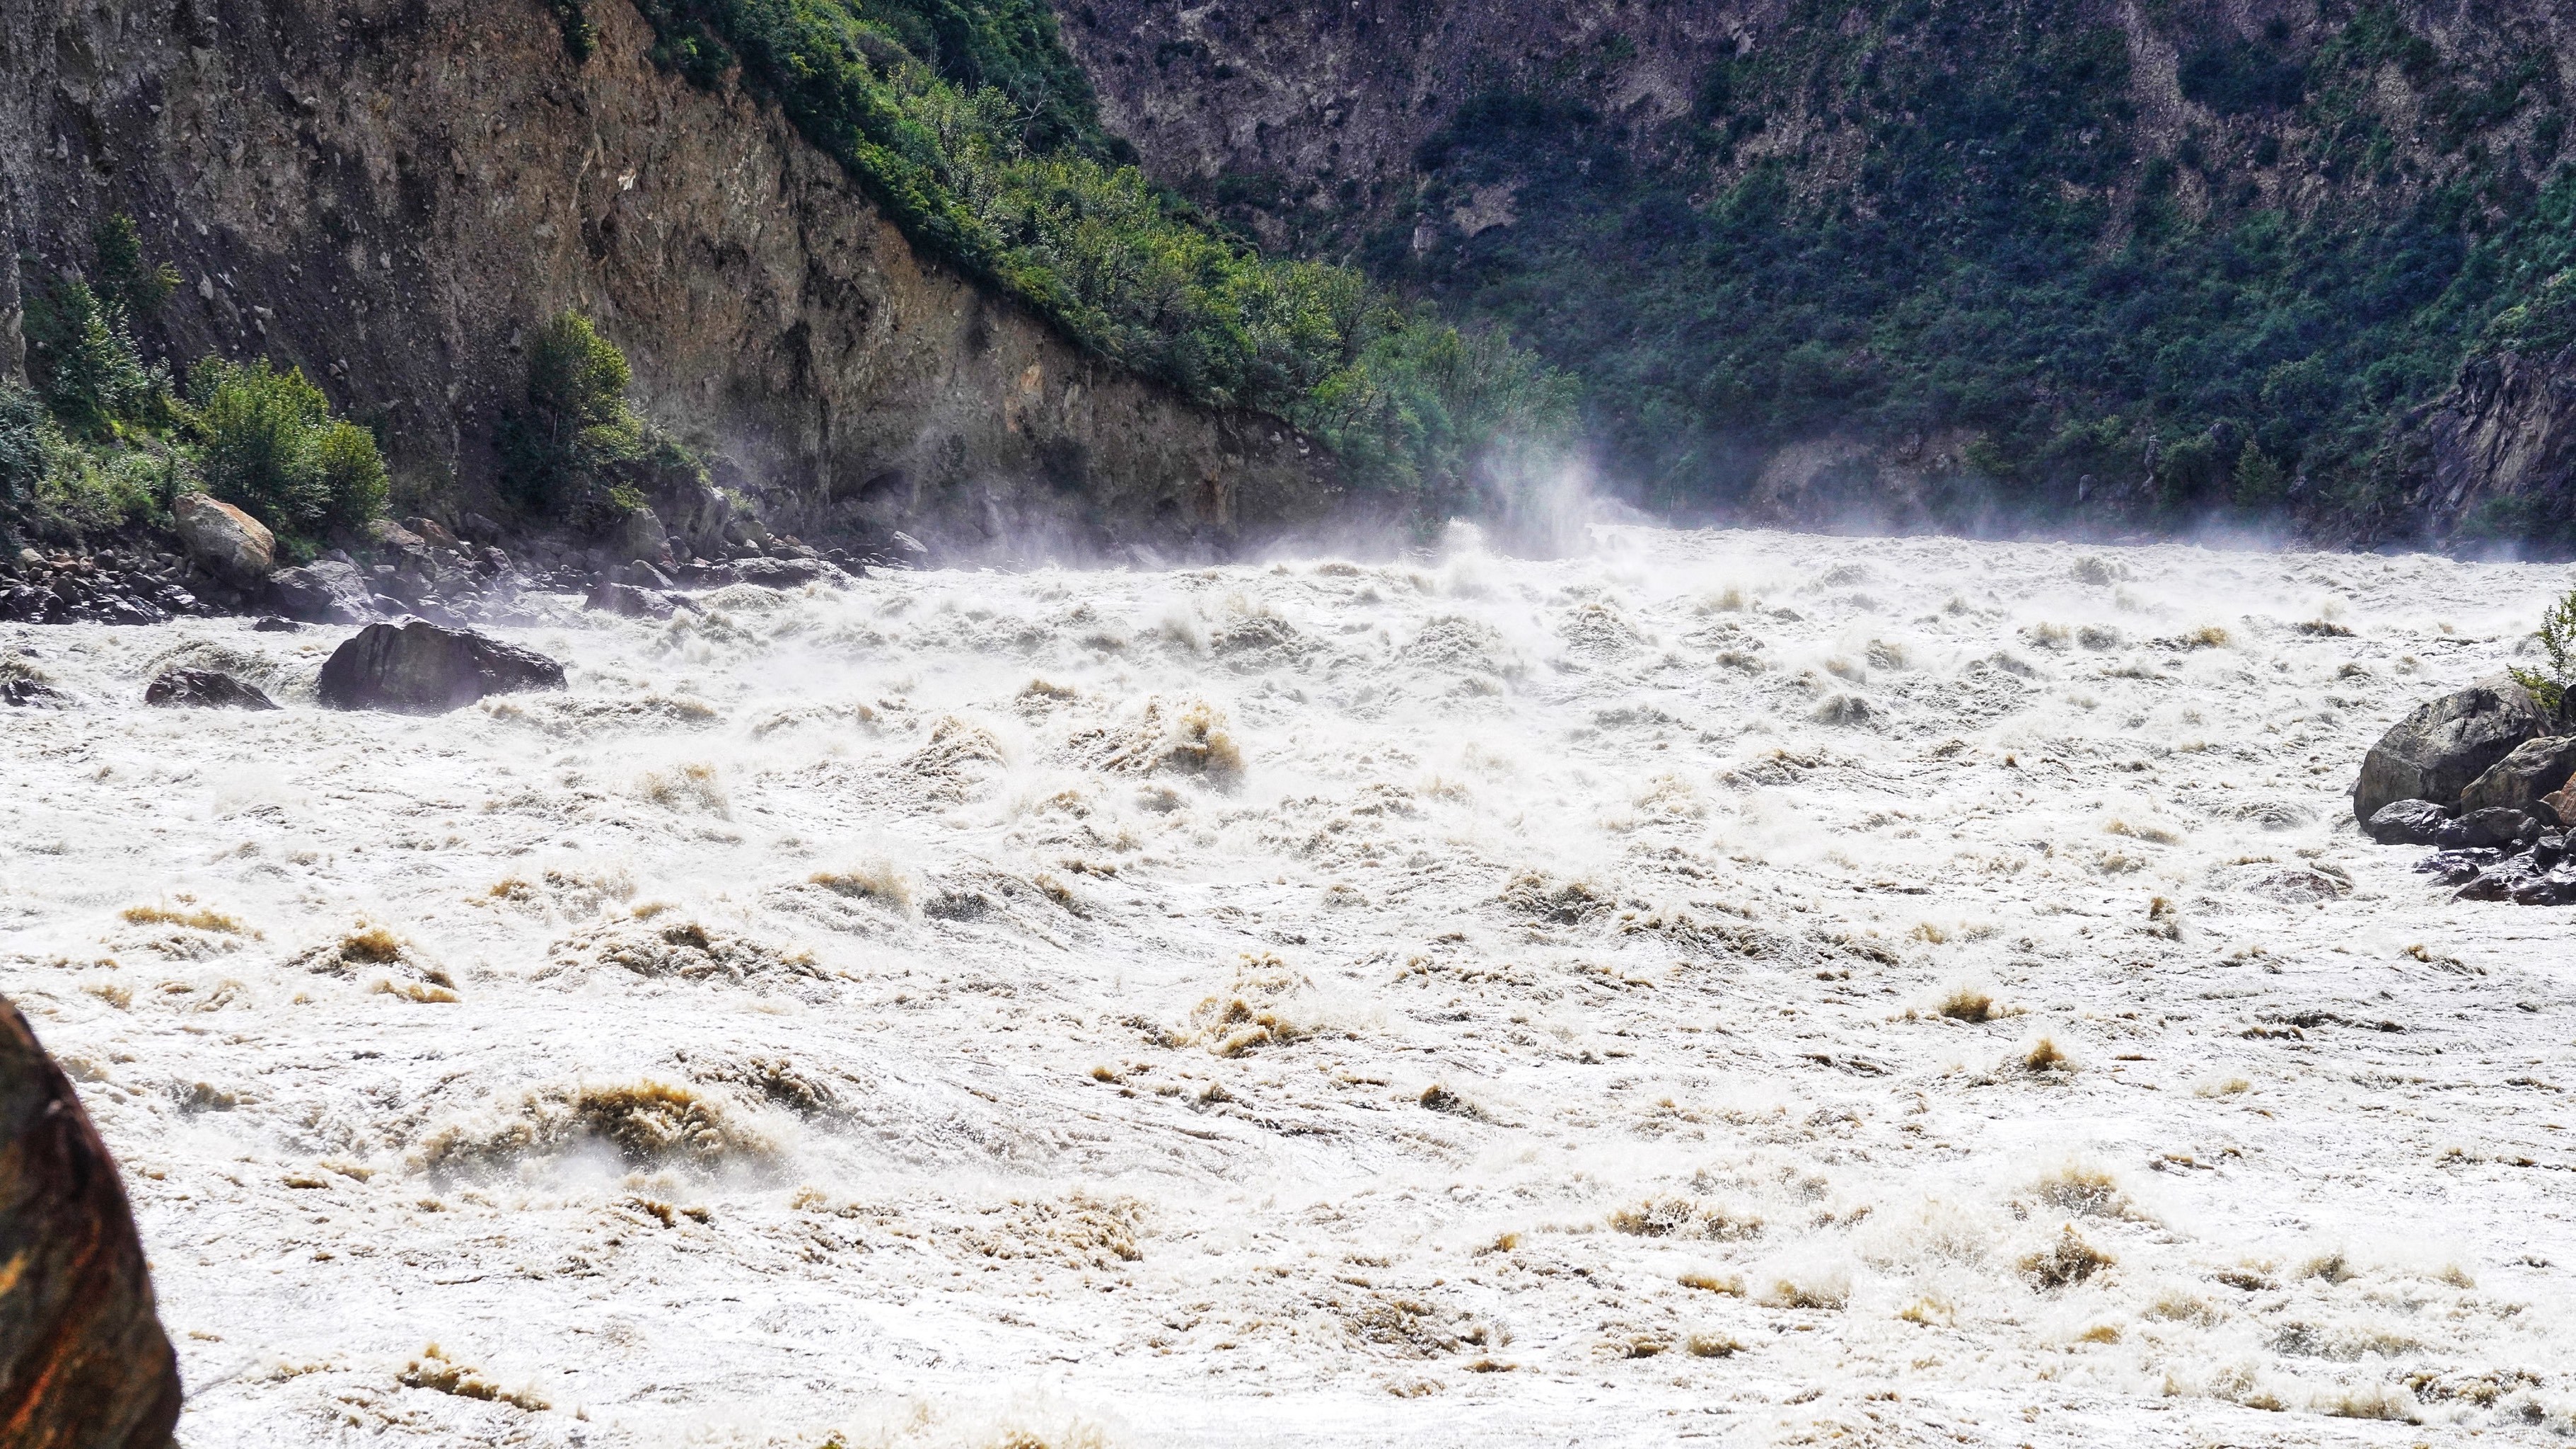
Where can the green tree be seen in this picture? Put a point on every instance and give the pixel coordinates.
(2548, 686)
(84, 360)
(2259, 481)
(22, 443)
(560, 450)
(125, 280)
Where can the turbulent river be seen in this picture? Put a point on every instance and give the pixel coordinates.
(1732, 987)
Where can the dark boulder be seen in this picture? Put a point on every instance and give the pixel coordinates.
(2535, 769)
(782, 573)
(83, 1361)
(325, 591)
(2456, 867)
(2406, 822)
(2555, 887)
(2500, 881)
(2495, 825)
(2437, 751)
(767, 573)
(25, 693)
(628, 601)
(416, 667)
(204, 689)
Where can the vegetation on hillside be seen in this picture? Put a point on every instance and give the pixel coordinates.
(2004, 251)
(101, 438)
(969, 122)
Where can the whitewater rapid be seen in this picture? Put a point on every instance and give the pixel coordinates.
(1464, 1002)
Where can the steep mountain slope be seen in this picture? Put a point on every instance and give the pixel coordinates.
(392, 193)
(2111, 265)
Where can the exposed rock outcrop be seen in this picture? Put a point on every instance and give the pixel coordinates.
(228, 543)
(2444, 745)
(83, 1361)
(2504, 436)
(390, 192)
(416, 667)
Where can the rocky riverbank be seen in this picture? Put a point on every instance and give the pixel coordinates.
(417, 567)
(2481, 774)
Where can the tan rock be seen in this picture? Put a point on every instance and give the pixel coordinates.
(83, 1360)
(231, 544)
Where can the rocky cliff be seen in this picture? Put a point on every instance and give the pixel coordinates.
(2124, 265)
(391, 193)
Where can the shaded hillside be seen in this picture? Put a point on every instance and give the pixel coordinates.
(1964, 263)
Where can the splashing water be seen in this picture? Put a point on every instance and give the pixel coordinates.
(1750, 986)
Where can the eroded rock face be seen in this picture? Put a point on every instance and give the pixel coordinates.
(204, 689)
(83, 1361)
(2437, 751)
(2505, 431)
(416, 667)
(232, 545)
(2520, 780)
(761, 296)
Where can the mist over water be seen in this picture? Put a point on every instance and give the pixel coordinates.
(1728, 986)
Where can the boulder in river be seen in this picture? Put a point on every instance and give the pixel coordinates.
(22, 692)
(416, 667)
(325, 591)
(232, 545)
(2437, 751)
(628, 601)
(83, 1360)
(2406, 822)
(204, 689)
(2494, 825)
(2536, 768)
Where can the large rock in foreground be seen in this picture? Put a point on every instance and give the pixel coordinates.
(83, 1361)
(233, 546)
(2436, 752)
(416, 667)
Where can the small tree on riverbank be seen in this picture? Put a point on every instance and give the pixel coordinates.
(2548, 686)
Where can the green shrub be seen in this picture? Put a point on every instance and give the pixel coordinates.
(269, 446)
(561, 449)
(257, 426)
(580, 34)
(89, 490)
(354, 483)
